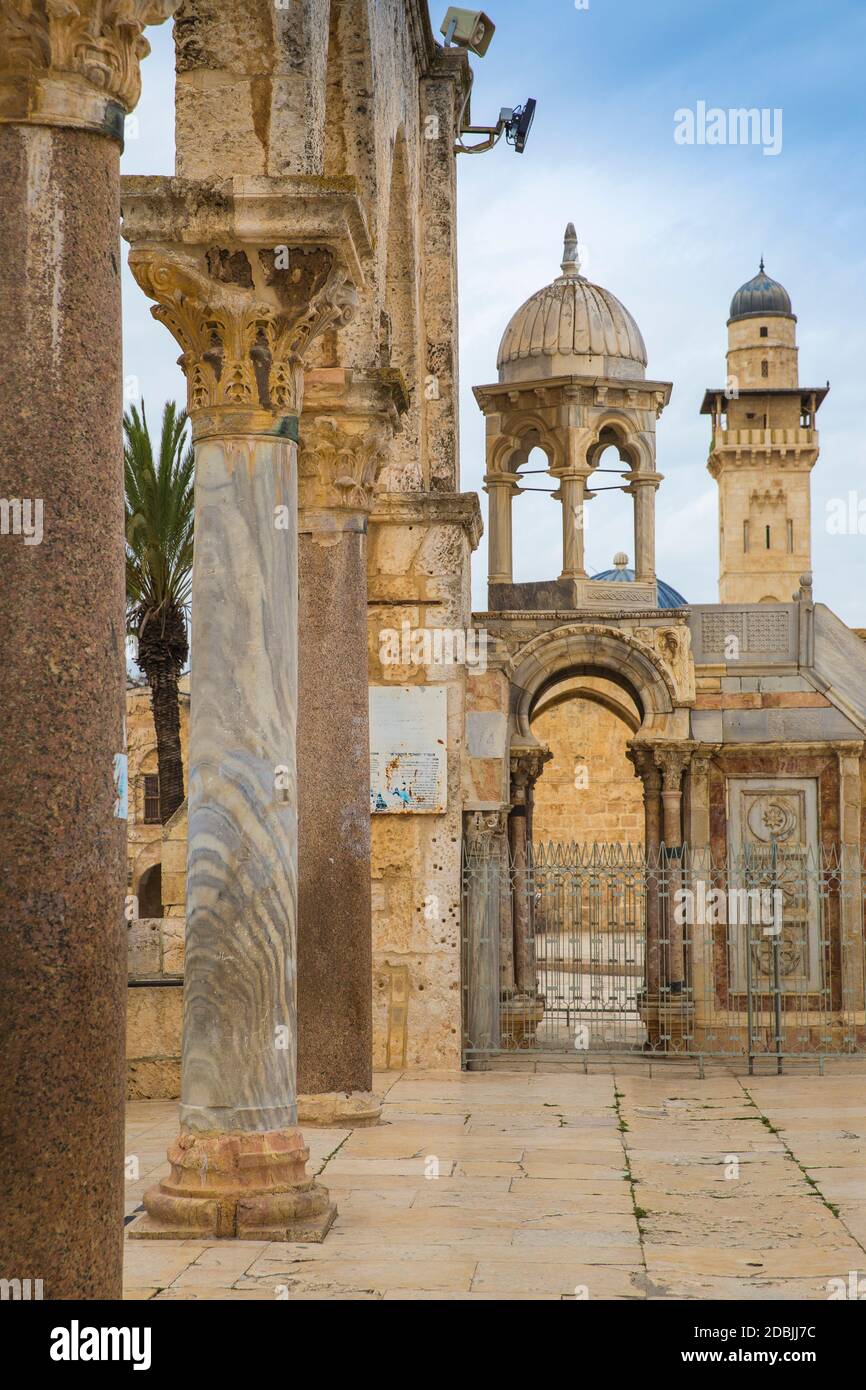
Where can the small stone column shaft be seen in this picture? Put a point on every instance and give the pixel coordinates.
(571, 489)
(482, 886)
(500, 488)
(643, 489)
(526, 768)
(672, 763)
(651, 778)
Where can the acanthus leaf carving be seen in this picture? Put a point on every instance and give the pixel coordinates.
(340, 462)
(101, 41)
(243, 344)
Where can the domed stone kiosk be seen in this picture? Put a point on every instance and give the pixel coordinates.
(572, 383)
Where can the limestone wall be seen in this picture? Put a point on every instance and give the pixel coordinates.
(145, 842)
(154, 945)
(419, 575)
(154, 1008)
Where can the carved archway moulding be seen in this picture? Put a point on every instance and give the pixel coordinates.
(574, 645)
(630, 440)
(521, 432)
(517, 441)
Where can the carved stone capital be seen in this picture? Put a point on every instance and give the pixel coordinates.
(646, 768)
(74, 63)
(702, 758)
(672, 763)
(483, 830)
(339, 465)
(527, 765)
(244, 315)
(349, 420)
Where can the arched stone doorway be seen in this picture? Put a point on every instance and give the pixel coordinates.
(150, 892)
(587, 792)
(634, 682)
(587, 951)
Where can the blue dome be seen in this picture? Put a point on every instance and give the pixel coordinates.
(760, 297)
(667, 597)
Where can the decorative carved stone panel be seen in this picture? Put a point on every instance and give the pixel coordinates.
(773, 835)
(757, 632)
(596, 594)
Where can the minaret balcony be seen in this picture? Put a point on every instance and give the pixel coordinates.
(765, 439)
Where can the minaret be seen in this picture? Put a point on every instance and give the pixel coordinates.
(763, 449)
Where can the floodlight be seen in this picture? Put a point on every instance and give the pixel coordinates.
(470, 29)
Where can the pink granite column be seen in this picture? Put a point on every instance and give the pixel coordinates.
(349, 418)
(62, 685)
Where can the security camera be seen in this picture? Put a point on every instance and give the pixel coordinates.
(515, 123)
(468, 29)
(518, 128)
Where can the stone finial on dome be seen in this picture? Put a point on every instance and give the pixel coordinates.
(620, 560)
(571, 328)
(570, 262)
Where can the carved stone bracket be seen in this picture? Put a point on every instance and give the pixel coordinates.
(244, 316)
(74, 62)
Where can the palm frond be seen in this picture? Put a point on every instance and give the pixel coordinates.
(159, 488)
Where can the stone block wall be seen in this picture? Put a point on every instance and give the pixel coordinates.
(418, 574)
(154, 1007)
(145, 843)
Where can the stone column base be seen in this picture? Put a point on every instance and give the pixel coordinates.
(670, 1022)
(340, 1109)
(237, 1185)
(519, 1018)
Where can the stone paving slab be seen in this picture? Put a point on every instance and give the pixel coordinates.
(555, 1184)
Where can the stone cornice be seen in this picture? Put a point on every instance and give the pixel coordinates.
(74, 63)
(672, 617)
(431, 509)
(501, 397)
(298, 209)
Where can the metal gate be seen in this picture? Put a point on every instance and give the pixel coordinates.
(604, 949)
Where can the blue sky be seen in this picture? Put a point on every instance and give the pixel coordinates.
(672, 230)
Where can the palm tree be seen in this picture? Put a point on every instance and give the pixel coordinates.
(159, 536)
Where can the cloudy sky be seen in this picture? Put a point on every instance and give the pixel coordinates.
(671, 229)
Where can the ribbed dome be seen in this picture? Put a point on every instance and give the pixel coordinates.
(571, 327)
(760, 297)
